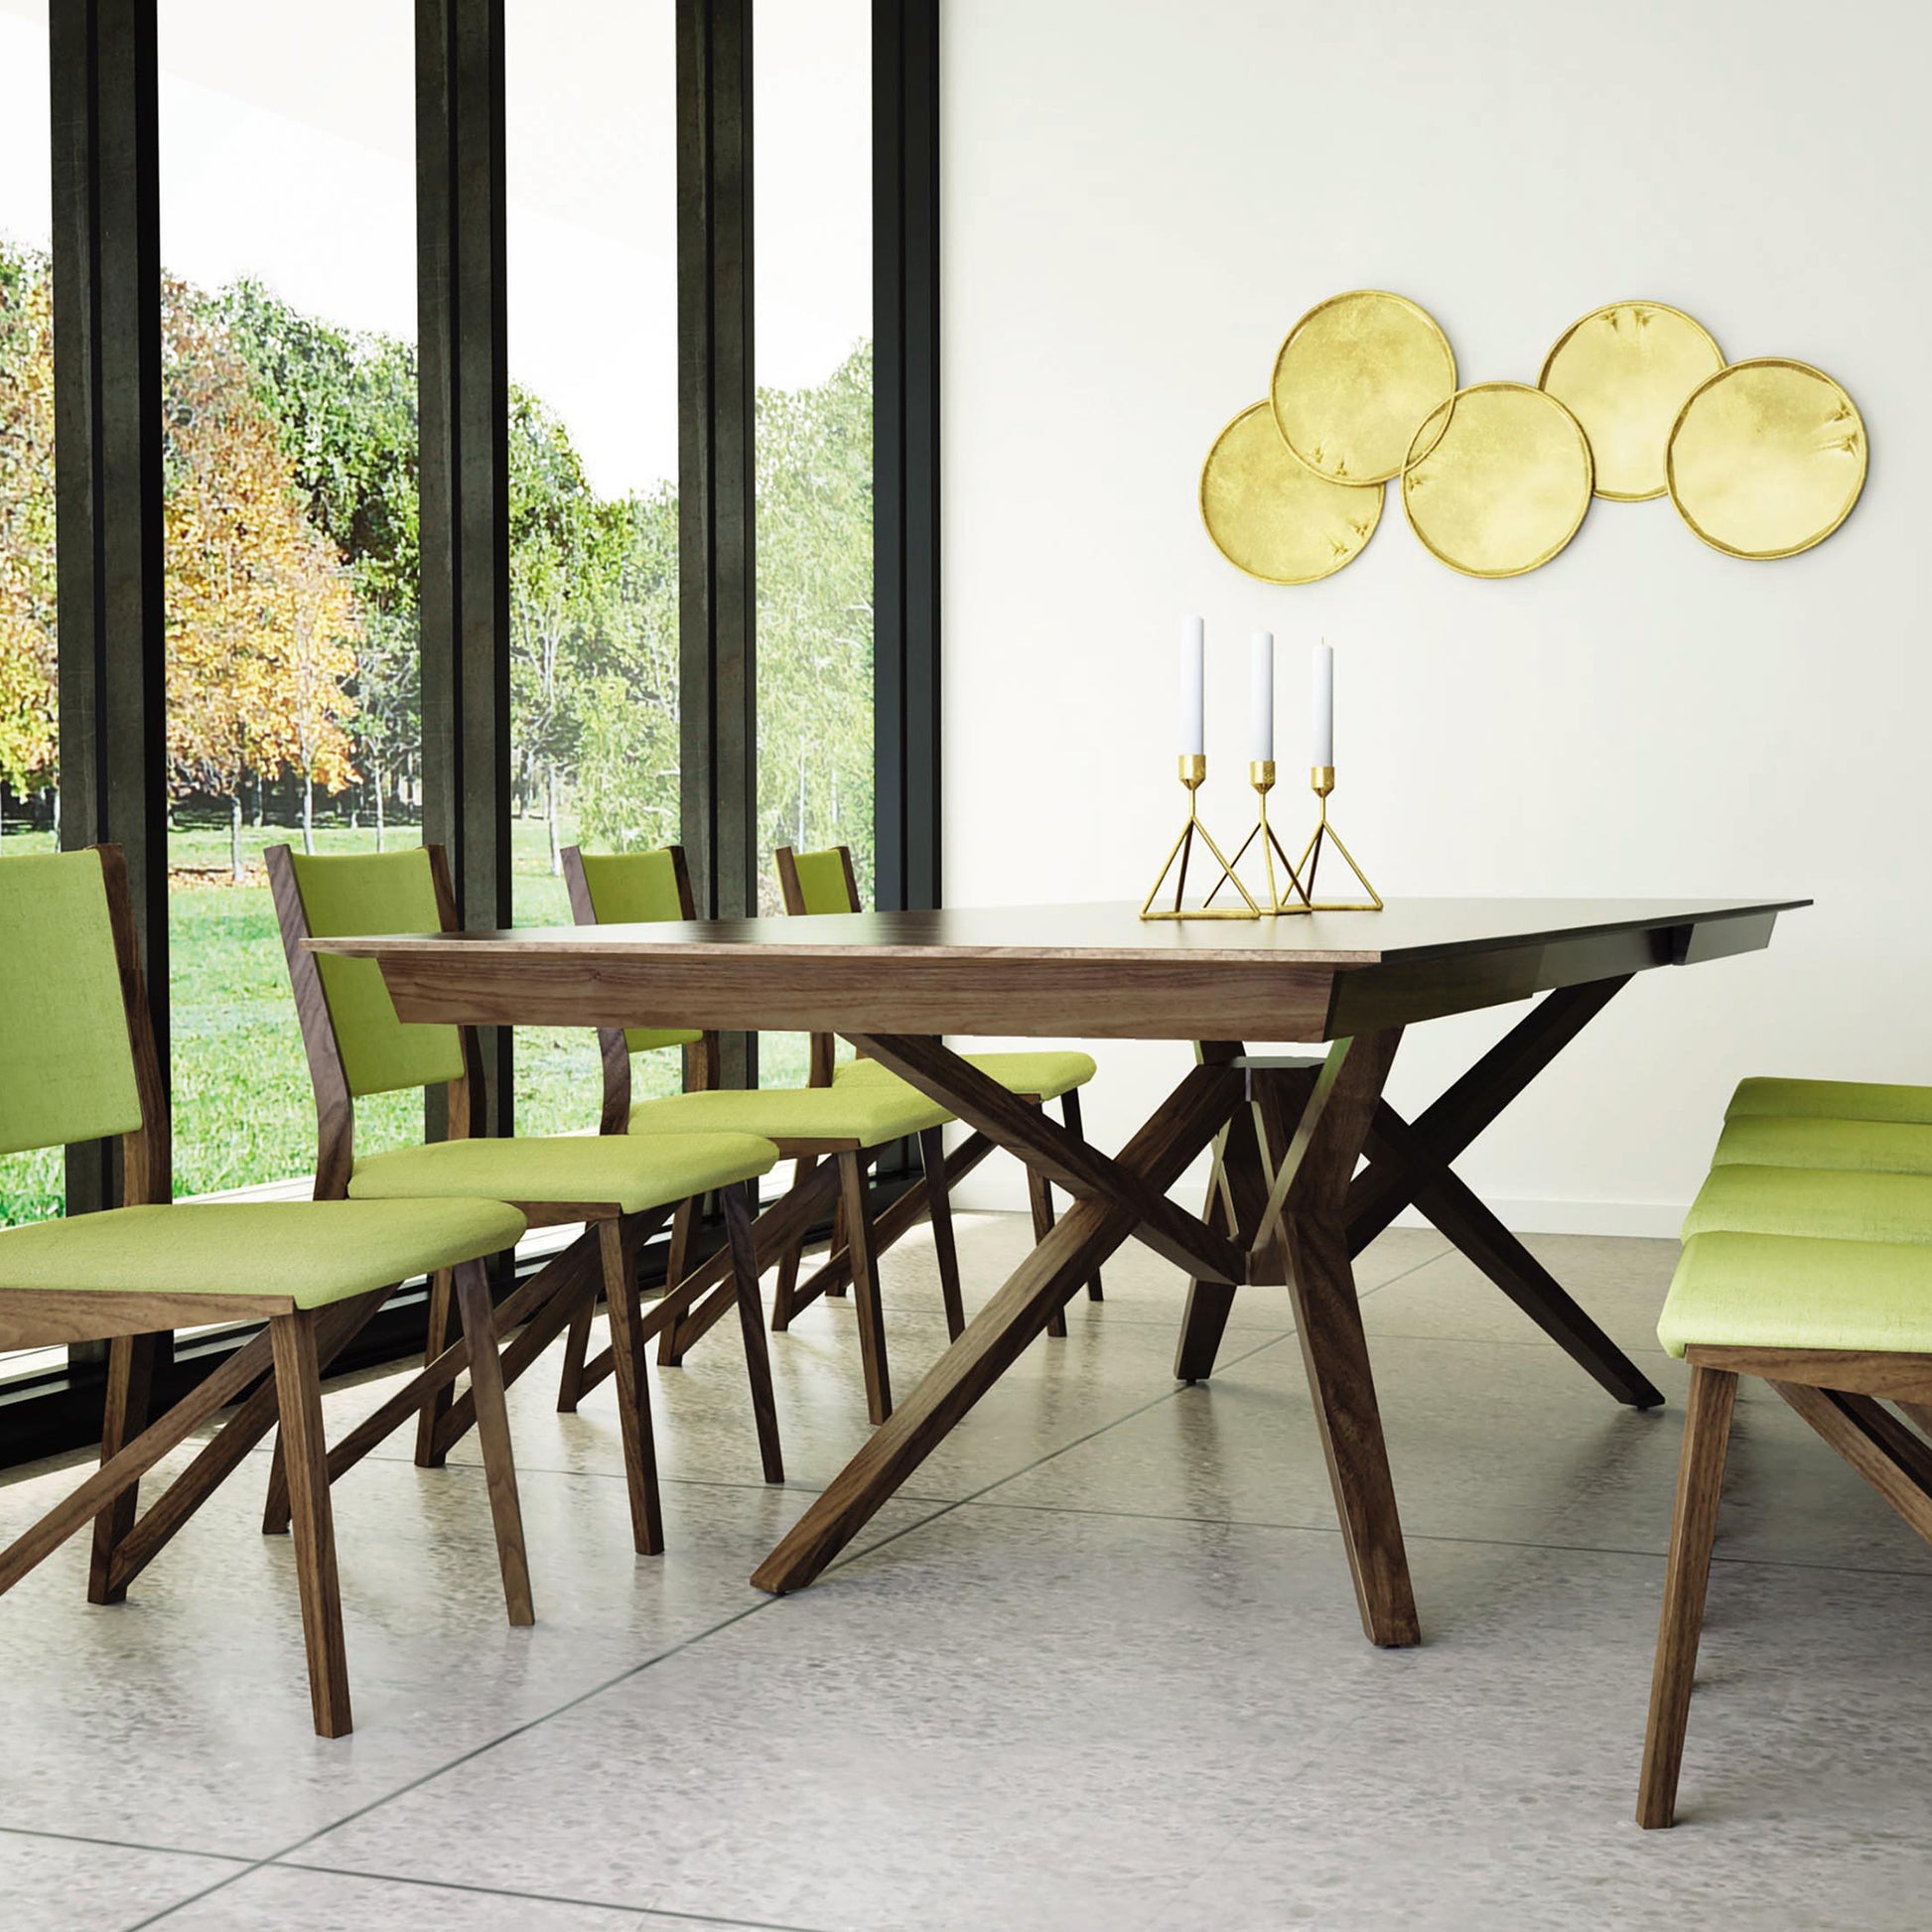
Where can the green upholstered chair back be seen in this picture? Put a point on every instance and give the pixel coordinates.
(375, 892)
(640, 889)
(66, 1063)
(824, 882)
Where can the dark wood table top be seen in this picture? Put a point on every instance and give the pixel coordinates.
(1089, 971)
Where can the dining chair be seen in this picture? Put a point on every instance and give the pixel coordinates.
(622, 1190)
(825, 882)
(77, 1063)
(1807, 1264)
(842, 1126)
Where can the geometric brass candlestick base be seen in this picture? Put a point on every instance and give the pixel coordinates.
(1322, 779)
(1194, 774)
(1261, 774)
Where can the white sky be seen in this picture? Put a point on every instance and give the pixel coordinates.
(289, 155)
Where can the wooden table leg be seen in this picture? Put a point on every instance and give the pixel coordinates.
(1313, 1190)
(1000, 1334)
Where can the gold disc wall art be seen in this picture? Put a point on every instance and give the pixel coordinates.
(1768, 459)
(1499, 479)
(1272, 517)
(1626, 374)
(1352, 380)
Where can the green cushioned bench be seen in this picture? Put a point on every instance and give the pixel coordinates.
(1807, 1263)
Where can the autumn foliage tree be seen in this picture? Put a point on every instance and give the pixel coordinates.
(28, 691)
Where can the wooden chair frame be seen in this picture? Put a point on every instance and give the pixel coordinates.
(831, 1278)
(1841, 1393)
(833, 1171)
(275, 1377)
(601, 1260)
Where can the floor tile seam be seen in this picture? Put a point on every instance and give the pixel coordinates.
(279, 1863)
(125, 1844)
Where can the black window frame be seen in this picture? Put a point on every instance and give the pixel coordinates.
(111, 586)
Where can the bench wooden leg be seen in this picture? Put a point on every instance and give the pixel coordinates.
(1694, 1528)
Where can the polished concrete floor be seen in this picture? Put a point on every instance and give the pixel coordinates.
(1098, 1667)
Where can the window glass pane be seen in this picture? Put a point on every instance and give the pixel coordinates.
(290, 521)
(812, 206)
(29, 1183)
(593, 355)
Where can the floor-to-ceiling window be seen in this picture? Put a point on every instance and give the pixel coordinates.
(29, 769)
(812, 213)
(592, 250)
(287, 196)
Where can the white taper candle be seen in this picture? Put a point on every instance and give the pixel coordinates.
(1324, 706)
(1194, 679)
(1261, 685)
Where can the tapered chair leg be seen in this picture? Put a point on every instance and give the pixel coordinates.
(677, 1264)
(130, 1380)
(577, 1348)
(493, 1438)
(1040, 1194)
(442, 1331)
(932, 1159)
(298, 1389)
(633, 1388)
(1070, 1113)
(1687, 1576)
(739, 1207)
(838, 1286)
(787, 1282)
(853, 1200)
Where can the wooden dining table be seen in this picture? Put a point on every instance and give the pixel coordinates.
(1310, 1163)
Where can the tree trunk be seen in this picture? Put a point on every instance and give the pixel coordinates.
(234, 834)
(550, 800)
(262, 808)
(308, 813)
(57, 814)
(380, 825)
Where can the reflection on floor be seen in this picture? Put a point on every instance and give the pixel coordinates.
(1100, 1667)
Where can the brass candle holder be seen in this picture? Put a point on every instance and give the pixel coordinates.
(1194, 774)
(1261, 774)
(1321, 780)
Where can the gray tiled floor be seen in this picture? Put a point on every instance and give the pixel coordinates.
(1098, 1666)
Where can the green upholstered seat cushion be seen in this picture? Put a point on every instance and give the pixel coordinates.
(1767, 1291)
(631, 1174)
(1813, 1201)
(637, 889)
(1852, 1146)
(1831, 1100)
(67, 1071)
(1048, 1075)
(869, 1115)
(314, 1252)
(343, 895)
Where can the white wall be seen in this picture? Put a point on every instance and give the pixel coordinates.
(1140, 195)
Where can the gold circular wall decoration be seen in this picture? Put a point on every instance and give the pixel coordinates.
(1499, 479)
(1354, 377)
(1766, 458)
(1625, 372)
(1275, 518)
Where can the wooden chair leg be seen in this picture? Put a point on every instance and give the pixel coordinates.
(298, 1388)
(837, 1286)
(577, 1348)
(1693, 1527)
(633, 1388)
(493, 1438)
(1070, 1113)
(740, 1205)
(442, 1331)
(1039, 1194)
(787, 1284)
(130, 1382)
(933, 1159)
(857, 1214)
(677, 1264)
